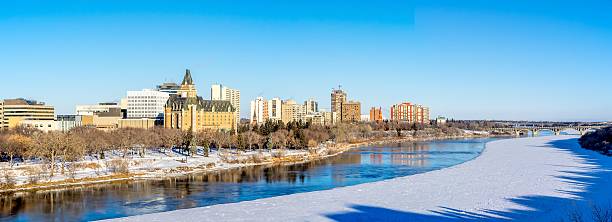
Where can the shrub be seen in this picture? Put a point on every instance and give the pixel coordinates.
(34, 174)
(278, 153)
(118, 166)
(8, 179)
(257, 158)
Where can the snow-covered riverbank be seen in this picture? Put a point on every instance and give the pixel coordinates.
(526, 179)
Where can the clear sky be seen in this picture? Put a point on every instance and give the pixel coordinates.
(514, 59)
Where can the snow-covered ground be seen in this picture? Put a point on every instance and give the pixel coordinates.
(526, 179)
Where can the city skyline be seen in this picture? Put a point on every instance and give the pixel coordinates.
(510, 61)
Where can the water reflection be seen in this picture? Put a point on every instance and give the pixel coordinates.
(120, 199)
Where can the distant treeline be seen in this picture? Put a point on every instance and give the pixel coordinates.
(600, 141)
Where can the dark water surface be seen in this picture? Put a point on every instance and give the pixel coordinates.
(360, 165)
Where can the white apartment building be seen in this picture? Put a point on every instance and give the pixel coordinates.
(275, 110)
(220, 92)
(312, 106)
(89, 110)
(146, 103)
(257, 111)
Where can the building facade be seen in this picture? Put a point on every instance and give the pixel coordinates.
(28, 113)
(410, 113)
(292, 111)
(146, 103)
(258, 110)
(168, 87)
(350, 112)
(65, 123)
(376, 114)
(188, 111)
(89, 110)
(311, 106)
(275, 109)
(220, 92)
(338, 97)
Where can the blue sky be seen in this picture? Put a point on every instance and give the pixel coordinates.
(521, 60)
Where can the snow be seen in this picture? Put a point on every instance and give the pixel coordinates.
(524, 179)
(154, 164)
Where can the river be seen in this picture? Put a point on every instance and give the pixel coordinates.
(120, 199)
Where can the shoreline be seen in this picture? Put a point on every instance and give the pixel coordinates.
(497, 185)
(113, 178)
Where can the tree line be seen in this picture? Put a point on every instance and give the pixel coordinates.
(600, 141)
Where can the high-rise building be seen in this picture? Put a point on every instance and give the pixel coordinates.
(220, 92)
(275, 110)
(258, 111)
(147, 104)
(376, 114)
(410, 113)
(337, 98)
(292, 111)
(188, 111)
(403, 112)
(312, 106)
(89, 110)
(350, 112)
(28, 113)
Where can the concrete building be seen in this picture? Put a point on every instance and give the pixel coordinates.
(258, 110)
(337, 98)
(143, 123)
(65, 123)
(146, 103)
(292, 111)
(188, 111)
(331, 118)
(421, 114)
(104, 120)
(88, 110)
(403, 112)
(312, 106)
(411, 113)
(350, 112)
(28, 113)
(168, 87)
(220, 92)
(376, 114)
(275, 109)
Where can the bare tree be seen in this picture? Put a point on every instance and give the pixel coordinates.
(204, 138)
(49, 146)
(16, 145)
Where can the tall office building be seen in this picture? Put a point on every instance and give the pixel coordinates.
(258, 111)
(337, 98)
(220, 92)
(275, 109)
(312, 106)
(28, 113)
(146, 103)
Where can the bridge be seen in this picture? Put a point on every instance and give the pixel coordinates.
(535, 130)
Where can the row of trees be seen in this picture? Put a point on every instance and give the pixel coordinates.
(25, 143)
(600, 141)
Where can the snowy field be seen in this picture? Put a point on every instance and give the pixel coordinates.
(526, 179)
